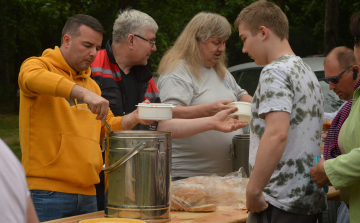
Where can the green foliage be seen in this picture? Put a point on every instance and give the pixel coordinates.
(30, 26)
(9, 132)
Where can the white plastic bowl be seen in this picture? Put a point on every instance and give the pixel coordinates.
(243, 112)
(155, 111)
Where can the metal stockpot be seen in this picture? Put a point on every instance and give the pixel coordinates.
(139, 167)
(239, 152)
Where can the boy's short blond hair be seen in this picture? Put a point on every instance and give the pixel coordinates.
(264, 13)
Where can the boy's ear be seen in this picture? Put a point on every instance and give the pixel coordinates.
(263, 32)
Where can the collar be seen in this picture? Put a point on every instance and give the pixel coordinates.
(110, 52)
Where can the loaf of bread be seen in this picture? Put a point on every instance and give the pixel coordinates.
(190, 198)
(207, 193)
(203, 208)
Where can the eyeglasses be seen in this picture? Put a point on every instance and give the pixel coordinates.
(335, 80)
(152, 43)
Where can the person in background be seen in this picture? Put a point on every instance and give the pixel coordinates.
(286, 124)
(344, 171)
(16, 205)
(120, 69)
(341, 73)
(193, 77)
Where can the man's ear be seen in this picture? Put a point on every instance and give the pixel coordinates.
(263, 32)
(66, 40)
(130, 40)
(355, 72)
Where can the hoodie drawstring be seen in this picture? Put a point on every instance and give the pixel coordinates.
(72, 79)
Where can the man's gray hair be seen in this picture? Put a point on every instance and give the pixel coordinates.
(131, 21)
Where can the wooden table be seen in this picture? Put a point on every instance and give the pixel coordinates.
(191, 217)
(176, 217)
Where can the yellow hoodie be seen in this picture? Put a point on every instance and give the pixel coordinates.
(60, 143)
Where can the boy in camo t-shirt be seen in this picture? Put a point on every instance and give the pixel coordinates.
(287, 110)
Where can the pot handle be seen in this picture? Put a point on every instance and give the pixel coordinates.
(104, 145)
(125, 158)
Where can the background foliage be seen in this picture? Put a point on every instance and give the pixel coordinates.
(30, 26)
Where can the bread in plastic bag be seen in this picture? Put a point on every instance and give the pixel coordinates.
(210, 193)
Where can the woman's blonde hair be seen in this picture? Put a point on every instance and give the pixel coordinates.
(203, 26)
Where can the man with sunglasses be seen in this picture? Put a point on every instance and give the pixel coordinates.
(341, 73)
(343, 171)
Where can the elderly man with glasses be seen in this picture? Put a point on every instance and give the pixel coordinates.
(120, 70)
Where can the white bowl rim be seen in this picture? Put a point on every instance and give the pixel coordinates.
(239, 102)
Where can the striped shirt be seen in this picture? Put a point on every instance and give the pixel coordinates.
(331, 148)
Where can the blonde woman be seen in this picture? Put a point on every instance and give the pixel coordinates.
(194, 78)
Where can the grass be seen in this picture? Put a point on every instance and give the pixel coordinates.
(9, 132)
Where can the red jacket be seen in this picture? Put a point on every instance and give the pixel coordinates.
(122, 91)
(109, 76)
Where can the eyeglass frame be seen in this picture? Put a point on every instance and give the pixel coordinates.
(335, 80)
(152, 42)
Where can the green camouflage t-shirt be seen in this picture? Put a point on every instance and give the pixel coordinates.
(288, 84)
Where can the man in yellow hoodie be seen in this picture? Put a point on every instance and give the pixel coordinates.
(60, 143)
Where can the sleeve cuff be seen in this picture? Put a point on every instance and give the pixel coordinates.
(331, 173)
(64, 88)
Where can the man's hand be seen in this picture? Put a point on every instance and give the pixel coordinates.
(324, 135)
(318, 174)
(98, 105)
(129, 121)
(255, 202)
(224, 123)
(142, 121)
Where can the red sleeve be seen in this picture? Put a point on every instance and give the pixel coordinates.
(152, 92)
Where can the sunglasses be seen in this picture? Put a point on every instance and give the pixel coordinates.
(335, 80)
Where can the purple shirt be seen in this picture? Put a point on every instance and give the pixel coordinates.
(331, 148)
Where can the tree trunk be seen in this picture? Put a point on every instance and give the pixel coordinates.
(331, 25)
(281, 4)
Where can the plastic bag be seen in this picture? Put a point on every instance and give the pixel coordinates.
(210, 193)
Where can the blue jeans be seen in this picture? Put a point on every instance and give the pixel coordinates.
(50, 205)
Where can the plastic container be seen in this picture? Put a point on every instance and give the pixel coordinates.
(243, 112)
(155, 111)
(326, 123)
